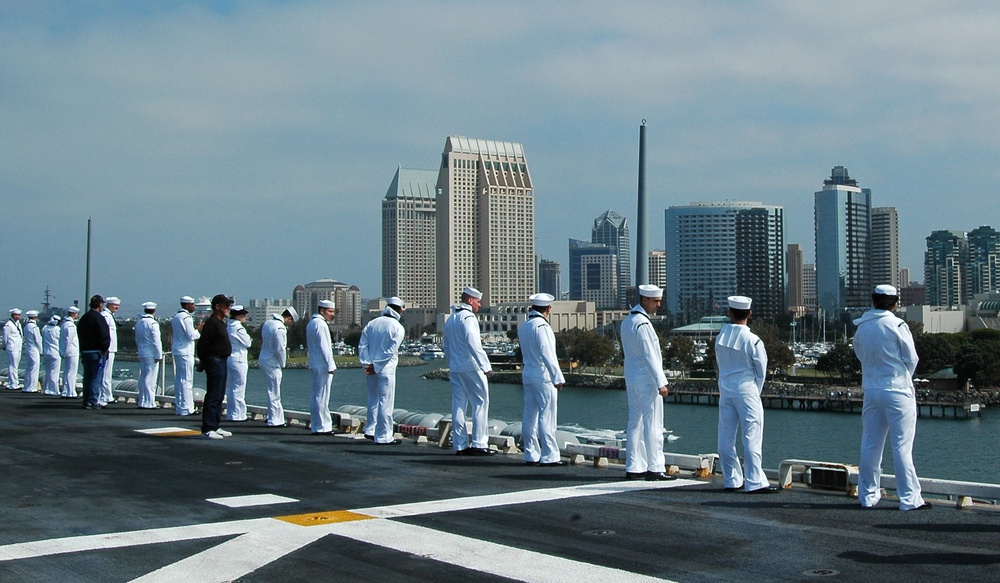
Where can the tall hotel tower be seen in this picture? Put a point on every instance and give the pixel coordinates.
(945, 268)
(885, 247)
(718, 249)
(408, 237)
(611, 229)
(485, 222)
(842, 216)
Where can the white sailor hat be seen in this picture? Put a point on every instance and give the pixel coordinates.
(187, 300)
(541, 300)
(885, 290)
(149, 306)
(394, 301)
(54, 319)
(650, 291)
(31, 313)
(72, 310)
(14, 311)
(238, 309)
(291, 312)
(739, 302)
(112, 300)
(327, 304)
(473, 293)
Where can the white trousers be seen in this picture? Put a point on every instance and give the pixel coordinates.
(70, 366)
(236, 390)
(381, 402)
(644, 452)
(538, 426)
(149, 369)
(31, 368)
(183, 384)
(469, 388)
(736, 409)
(107, 396)
(888, 414)
(272, 381)
(319, 407)
(13, 381)
(52, 366)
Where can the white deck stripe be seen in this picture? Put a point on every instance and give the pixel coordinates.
(156, 430)
(237, 557)
(522, 497)
(482, 556)
(252, 500)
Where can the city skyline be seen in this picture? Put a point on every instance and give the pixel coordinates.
(240, 148)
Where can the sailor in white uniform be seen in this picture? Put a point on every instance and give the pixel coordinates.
(742, 364)
(237, 365)
(542, 379)
(273, 356)
(182, 347)
(69, 351)
(321, 368)
(50, 353)
(32, 352)
(13, 338)
(645, 386)
(111, 305)
(468, 367)
(378, 352)
(147, 342)
(884, 346)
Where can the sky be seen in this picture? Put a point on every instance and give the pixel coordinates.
(245, 147)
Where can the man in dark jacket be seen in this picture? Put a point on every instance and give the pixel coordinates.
(213, 349)
(95, 339)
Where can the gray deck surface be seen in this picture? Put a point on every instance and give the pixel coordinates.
(69, 473)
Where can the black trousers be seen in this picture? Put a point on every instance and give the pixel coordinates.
(215, 391)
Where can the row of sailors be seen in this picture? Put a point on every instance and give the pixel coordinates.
(58, 343)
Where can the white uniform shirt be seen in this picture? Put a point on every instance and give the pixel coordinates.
(380, 342)
(69, 344)
(185, 334)
(885, 348)
(32, 337)
(239, 338)
(147, 337)
(274, 342)
(643, 358)
(538, 349)
(462, 342)
(112, 329)
(12, 336)
(50, 340)
(319, 344)
(741, 358)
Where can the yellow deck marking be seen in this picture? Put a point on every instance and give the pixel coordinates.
(318, 518)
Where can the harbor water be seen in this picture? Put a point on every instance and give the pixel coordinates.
(949, 449)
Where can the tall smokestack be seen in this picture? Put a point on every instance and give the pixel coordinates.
(640, 223)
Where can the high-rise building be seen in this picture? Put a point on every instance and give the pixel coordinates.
(548, 277)
(347, 298)
(984, 253)
(885, 246)
(611, 229)
(593, 274)
(794, 298)
(717, 249)
(809, 287)
(945, 276)
(259, 311)
(485, 222)
(658, 268)
(842, 215)
(409, 225)
(904, 276)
